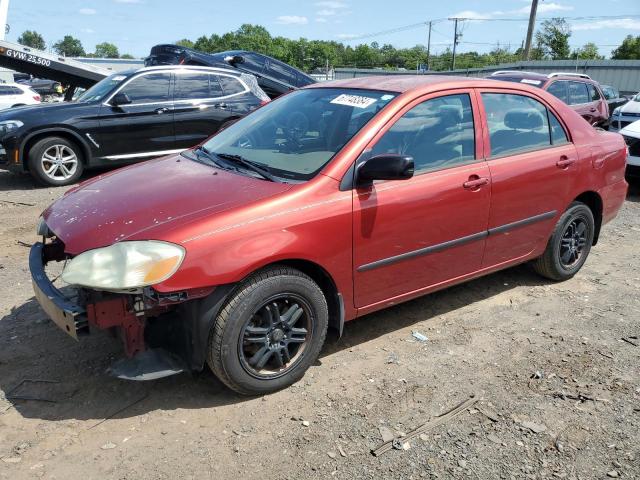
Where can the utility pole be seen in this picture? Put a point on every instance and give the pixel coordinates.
(4, 11)
(429, 48)
(456, 39)
(532, 23)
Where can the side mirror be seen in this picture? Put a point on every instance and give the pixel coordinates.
(388, 166)
(120, 98)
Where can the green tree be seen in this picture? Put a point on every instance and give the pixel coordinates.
(127, 56)
(589, 51)
(31, 38)
(628, 50)
(553, 39)
(69, 47)
(107, 50)
(185, 43)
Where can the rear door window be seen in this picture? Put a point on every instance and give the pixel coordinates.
(559, 89)
(517, 124)
(197, 86)
(150, 88)
(438, 133)
(578, 93)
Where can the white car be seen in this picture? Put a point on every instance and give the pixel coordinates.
(631, 135)
(16, 95)
(625, 114)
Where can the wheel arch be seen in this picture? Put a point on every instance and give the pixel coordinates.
(593, 200)
(67, 134)
(200, 315)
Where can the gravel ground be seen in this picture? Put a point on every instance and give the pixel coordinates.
(558, 387)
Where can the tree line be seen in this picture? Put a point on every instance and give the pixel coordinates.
(551, 41)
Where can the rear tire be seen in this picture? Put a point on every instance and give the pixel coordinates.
(55, 161)
(269, 332)
(569, 245)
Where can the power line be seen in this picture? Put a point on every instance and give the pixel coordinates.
(414, 26)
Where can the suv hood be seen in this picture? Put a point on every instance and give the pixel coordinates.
(631, 130)
(42, 111)
(147, 199)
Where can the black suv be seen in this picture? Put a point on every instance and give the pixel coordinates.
(274, 77)
(127, 117)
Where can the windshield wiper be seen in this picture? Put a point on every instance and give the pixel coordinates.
(249, 165)
(201, 153)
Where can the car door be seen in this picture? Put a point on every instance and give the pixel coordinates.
(532, 165)
(142, 128)
(413, 234)
(5, 97)
(599, 107)
(581, 102)
(199, 107)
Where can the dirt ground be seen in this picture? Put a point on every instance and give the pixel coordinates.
(559, 387)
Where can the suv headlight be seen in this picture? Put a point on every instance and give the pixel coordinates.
(9, 125)
(616, 111)
(124, 265)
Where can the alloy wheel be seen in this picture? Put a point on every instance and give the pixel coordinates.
(275, 337)
(59, 162)
(572, 243)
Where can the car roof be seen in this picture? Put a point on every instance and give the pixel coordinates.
(405, 83)
(230, 71)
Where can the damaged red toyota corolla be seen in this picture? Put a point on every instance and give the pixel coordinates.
(329, 203)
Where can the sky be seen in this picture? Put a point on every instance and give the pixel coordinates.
(136, 25)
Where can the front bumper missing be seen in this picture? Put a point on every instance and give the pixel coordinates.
(66, 314)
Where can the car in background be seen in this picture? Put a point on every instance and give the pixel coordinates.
(274, 77)
(127, 117)
(44, 86)
(631, 135)
(17, 95)
(577, 90)
(613, 97)
(626, 114)
(327, 204)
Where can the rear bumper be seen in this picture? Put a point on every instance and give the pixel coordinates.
(68, 315)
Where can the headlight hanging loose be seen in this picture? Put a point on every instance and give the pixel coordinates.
(124, 265)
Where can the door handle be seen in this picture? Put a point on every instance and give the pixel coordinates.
(161, 110)
(475, 182)
(565, 162)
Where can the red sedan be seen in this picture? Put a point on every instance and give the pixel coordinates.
(329, 203)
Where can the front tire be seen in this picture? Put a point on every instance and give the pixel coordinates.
(55, 161)
(269, 332)
(569, 245)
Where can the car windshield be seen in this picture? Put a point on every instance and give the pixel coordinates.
(637, 98)
(102, 88)
(295, 136)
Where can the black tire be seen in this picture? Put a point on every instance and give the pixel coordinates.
(229, 338)
(567, 249)
(39, 165)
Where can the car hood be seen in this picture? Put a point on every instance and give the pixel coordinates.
(147, 199)
(631, 130)
(630, 107)
(43, 111)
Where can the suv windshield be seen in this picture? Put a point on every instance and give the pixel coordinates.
(297, 135)
(102, 88)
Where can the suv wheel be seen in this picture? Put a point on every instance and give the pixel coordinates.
(569, 244)
(269, 333)
(55, 161)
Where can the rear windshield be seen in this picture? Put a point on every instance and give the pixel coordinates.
(528, 81)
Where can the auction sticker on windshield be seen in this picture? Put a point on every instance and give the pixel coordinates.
(353, 100)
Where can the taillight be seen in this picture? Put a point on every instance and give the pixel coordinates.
(264, 102)
(36, 98)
